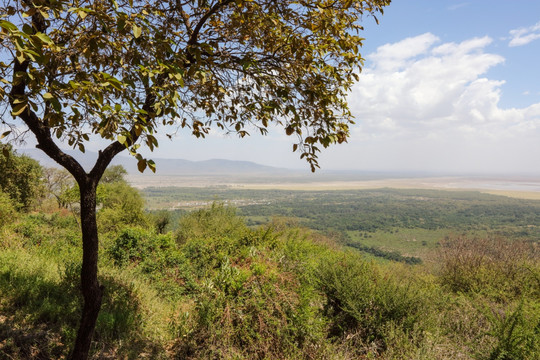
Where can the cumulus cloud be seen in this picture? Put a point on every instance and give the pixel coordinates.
(420, 87)
(524, 35)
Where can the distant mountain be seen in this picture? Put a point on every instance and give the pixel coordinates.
(166, 166)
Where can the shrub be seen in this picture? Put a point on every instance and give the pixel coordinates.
(7, 209)
(247, 306)
(516, 333)
(217, 221)
(499, 268)
(135, 245)
(121, 205)
(21, 178)
(364, 304)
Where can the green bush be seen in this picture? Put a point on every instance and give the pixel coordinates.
(135, 245)
(364, 304)
(516, 332)
(120, 205)
(7, 209)
(217, 221)
(21, 178)
(263, 311)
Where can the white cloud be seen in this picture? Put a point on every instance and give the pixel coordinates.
(414, 87)
(390, 56)
(458, 6)
(432, 106)
(524, 35)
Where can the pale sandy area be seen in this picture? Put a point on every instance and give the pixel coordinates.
(425, 183)
(524, 188)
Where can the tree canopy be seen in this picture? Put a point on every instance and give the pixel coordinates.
(20, 178)
(119, 69)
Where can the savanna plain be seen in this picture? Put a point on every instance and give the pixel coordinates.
(423, 268)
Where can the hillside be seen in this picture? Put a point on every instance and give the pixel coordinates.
(218, 289)
(373, 274)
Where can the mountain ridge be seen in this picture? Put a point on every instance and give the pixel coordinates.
(165, 166)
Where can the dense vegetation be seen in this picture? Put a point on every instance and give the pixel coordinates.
(215, 288)
(387, 223)
(367, 210)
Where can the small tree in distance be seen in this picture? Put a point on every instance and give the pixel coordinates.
(120, 69)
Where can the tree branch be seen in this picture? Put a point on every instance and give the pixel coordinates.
(217, 6)
(30, 118)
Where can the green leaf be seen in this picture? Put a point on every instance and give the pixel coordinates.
(179, 79)
(56, 104)
(27, 29)
(7, 25)
(152, 165)
(44, 38)
(18, 109)
(137, 31)
(122, 139)
(48, 96)
(20, 56)
(44, 14)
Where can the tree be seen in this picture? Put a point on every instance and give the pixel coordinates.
(20, 178)
(58, 183)
(118, 69)
(120, 203)
(115, 173)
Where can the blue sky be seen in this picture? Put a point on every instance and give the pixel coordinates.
(447, 86)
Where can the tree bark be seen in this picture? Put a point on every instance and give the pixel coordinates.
(92, 291)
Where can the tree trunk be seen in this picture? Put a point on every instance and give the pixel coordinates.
(92, 291)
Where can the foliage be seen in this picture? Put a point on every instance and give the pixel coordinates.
(278, 291)
(218, 221)
(120, 204)
(362, 304)
(136, 245)
(7, 209)
(114, 174)
(161, 220)
(497, 268)
(389, 255)
(21, 178)
(158, 62)
(516, 333)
